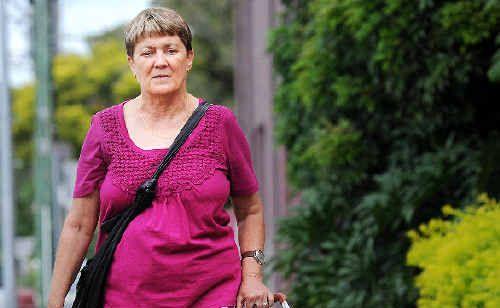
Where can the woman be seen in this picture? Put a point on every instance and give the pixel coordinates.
(180, 252)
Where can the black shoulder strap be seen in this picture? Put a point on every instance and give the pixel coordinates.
(90, 287)
(149, 186)
(181, 137)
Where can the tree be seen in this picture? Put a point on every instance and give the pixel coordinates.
(83, 85)
(459, 257)
(388, 110)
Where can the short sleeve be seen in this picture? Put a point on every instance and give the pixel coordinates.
(91, 167)
(241, 173)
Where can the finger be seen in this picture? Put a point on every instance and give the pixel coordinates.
(258, 302)
(238, 302)
(279, 297)
(270, 299)
(263, 301)
(247, 301)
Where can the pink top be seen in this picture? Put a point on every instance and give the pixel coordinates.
(180, 252)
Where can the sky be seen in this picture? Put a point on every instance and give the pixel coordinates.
(77, 19)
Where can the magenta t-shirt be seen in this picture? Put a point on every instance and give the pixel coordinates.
(180, 252)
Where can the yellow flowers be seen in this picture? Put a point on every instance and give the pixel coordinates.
(459, 257)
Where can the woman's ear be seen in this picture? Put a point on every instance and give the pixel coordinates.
(131, 64)
(190, 57)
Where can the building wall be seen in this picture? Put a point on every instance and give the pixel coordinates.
(254, 87)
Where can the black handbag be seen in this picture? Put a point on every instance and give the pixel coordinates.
(90, 286)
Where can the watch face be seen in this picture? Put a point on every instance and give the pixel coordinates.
(259, 254)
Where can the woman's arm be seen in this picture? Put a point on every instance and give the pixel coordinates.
(251, 230)
(74, 241)
(249, 213)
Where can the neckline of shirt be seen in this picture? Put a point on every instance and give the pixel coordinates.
(125, 133)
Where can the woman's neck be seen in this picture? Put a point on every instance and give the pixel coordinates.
(165, 106)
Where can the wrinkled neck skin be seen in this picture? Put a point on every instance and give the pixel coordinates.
(165, 106)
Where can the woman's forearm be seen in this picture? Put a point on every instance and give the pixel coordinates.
(251, 231)
(251, 236)
(73, 244)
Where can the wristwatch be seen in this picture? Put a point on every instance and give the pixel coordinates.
(258, 255)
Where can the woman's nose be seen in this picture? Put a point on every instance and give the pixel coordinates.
(161, 59)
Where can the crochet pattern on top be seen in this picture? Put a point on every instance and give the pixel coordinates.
(195, 162)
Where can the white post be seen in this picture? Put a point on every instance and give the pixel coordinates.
(6, 177)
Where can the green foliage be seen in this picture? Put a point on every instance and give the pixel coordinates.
(22, 129)
(23, 116)
(73, 123)
(388, 109)
(83, 85)
(459, 257)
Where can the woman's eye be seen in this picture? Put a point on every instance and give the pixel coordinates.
(146, 53)
(171, 51)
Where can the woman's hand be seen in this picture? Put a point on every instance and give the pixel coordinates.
(254, 292)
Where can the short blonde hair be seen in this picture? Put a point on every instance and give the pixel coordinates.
(156, 21)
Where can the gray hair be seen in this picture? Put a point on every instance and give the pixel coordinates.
(154, 21)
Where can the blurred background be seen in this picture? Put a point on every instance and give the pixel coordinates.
(374, 127)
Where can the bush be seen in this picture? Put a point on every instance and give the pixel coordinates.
(460, 258)
(387, 109)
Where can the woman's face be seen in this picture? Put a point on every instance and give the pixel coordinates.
(160, 64)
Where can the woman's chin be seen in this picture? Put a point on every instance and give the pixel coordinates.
(162, 90)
